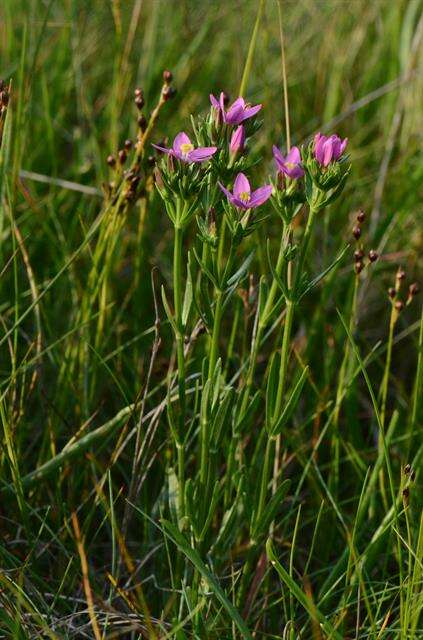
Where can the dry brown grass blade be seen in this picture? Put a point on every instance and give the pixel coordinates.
(85, 578)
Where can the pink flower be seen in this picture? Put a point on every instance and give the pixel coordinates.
(289, 165)
(328, 149)
(242, 197)
(237, 112)
(184, 150)
(237, 140)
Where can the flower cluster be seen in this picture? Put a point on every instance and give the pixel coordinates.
(315, 173)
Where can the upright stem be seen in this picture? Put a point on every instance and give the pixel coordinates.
(177, 300)
(214, 347)
(261, 325)
(286, 340)
(385, 380)
(334, 474)
(218, 310)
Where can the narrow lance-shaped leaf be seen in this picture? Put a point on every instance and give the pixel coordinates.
(302, 598)
(192, 555)
(290, 405)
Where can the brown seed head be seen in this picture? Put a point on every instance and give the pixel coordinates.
(356, 232)
(361, 216)
(139, 102)
(122, 156)
(413, 289)
(142, 122)
(392, 292)
(358, 255)
(168, 93)
(128, 144)
(358, 267)
(167, 76)
(399, 305)
(400, 274)
(373, 255)
(111, 161)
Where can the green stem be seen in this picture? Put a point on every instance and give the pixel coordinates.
(385, 380)
(286, 340)
(177, 299)
(214, 347)
(334, 474)
(261, 325)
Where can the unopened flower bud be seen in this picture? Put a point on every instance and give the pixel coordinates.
(122, 156)
(373, 255)
(361, 216)
(358, 267)
(138, 92)
(151, 160)
(356, 232)
(358, 255)
(167, 76)
(111, 161)
(128, 144)
(392, 292)
(237, 141)
(407, 468)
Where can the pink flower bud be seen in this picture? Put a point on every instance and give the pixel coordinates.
(237, 140)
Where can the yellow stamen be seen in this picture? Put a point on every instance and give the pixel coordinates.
(186, 147)
(244, 196)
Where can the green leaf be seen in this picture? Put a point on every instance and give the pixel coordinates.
(291, 404)
(272, 388)
(236, 278)
(242, 421)
(213, 502)
(186, 308)
(324, 273)
(271, 510)
(219, 421)
(172, 532)
(168, 312)
(302, 598)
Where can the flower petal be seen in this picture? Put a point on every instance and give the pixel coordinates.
(249, 112)
(222, 102)
(343, 145)
(181, 138)
(328, 148)
(227, 193)
(319, 142)
(237, 202)
(201, 154)
(278, 157)
(294, 156)
(259, 196)
(241, 185)
(214, 102)
(163, 149)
